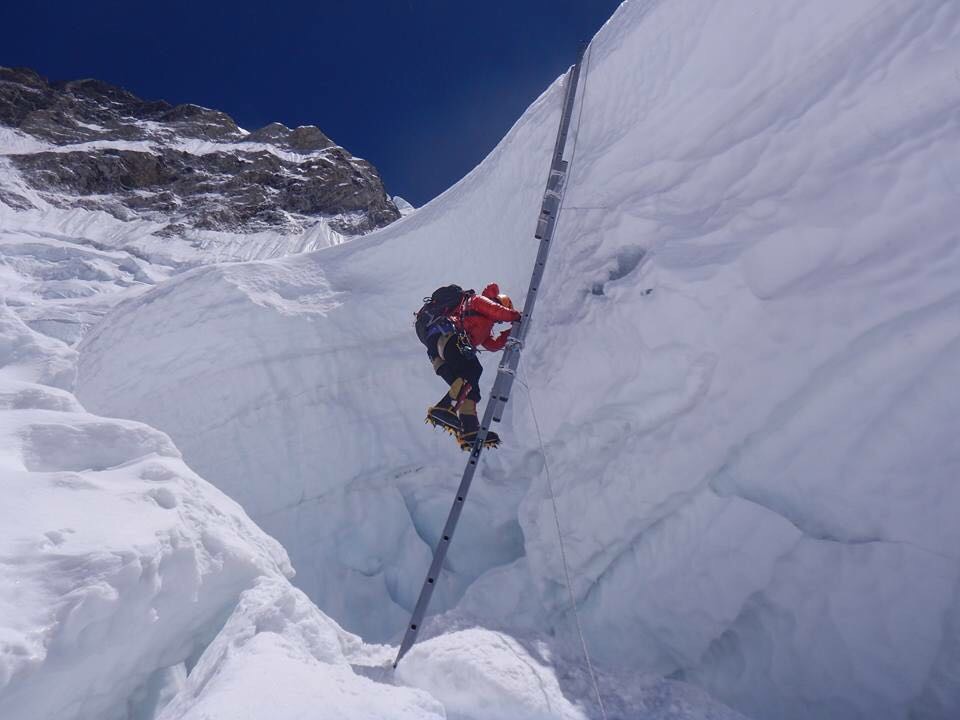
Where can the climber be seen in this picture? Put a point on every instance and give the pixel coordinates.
(454, 324)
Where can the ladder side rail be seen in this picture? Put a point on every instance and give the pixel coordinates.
(507, 367)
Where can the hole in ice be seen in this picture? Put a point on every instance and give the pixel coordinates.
(628, 259)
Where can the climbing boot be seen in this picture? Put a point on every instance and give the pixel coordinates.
(444, 413)
(470, 426)
(444, 418)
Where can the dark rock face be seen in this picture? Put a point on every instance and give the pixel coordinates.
(189, 166)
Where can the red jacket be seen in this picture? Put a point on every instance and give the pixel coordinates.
(477, 316)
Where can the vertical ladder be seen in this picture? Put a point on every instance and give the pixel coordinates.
(500, 394)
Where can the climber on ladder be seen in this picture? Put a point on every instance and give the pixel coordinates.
(454, 324)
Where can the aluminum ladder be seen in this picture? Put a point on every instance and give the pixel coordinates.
(500, 394)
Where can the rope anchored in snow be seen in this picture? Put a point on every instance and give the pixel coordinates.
(563, 558)
(500, 394)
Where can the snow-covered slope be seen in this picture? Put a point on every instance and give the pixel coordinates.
(756, 463)
(103, 194)
(131, 589)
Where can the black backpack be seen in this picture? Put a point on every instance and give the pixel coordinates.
(432, 318)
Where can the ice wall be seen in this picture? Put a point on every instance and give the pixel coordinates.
(117, 563)
(131, 589)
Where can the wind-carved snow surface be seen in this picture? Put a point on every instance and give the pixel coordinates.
(756, 463)
(130, 589)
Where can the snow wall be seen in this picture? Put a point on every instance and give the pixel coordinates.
(132, 589)
(755, 464)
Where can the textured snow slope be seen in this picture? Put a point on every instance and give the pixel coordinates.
(756, 463)
(280, 657)
(132, 589)
(116, 561)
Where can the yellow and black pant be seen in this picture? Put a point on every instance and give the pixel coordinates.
(454, 358)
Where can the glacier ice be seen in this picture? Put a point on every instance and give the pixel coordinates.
(754, 462)
(131, 589)
(278, 656)
(485, 674)
(116, 560)
(740, 383)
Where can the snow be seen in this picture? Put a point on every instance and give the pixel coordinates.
(15, 142)
(114, 228)
(403, 206)
(483, 674)
(110, 546)
(131, 589)
(277, 633)
(755, 463)
(740, 383)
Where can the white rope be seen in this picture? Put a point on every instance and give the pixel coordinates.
(563, 556)
(543, 452)
(536, 423)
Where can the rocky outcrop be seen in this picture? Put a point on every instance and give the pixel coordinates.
(188, 166)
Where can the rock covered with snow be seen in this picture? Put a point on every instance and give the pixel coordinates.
(97, 146)
(755, 463)
(103, 195)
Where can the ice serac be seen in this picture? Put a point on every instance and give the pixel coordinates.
(743, 369)
(132, 589)
(117, 562)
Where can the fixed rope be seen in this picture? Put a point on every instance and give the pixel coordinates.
(574, 608)
(563, 557)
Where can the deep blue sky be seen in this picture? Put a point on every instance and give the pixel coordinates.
(422, 88)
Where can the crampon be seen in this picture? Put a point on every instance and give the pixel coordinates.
(444, 418)
(467, 439)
